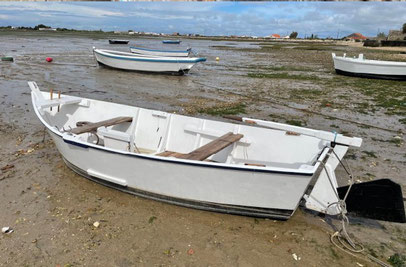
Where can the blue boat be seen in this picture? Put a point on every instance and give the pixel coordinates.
(171, 41)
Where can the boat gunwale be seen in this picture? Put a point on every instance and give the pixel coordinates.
(157, 59)
(69, 139)
(156, 50)
(381, 63)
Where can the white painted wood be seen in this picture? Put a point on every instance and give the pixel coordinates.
(288, 161)
(162, 53)
(138, 62)
(361, 65)
(107, 177)
(324, 192)
(323, 135)
(212, 133)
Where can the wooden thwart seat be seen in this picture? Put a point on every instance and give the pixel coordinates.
(92, 126)
(170, 154)
(208, 149)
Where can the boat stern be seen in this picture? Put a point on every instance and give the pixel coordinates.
(322, 195)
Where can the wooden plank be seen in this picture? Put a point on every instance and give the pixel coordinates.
(254, 164)
(213, 147)
(170, 154)
(90, 127)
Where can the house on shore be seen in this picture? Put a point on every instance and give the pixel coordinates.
(274, 36)
(355, 37)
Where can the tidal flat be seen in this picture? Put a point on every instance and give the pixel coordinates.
(53, 211)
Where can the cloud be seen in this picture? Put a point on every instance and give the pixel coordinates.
(212, 18)
(52, 7)
(159, 16)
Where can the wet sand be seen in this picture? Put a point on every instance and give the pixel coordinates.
(53, 210)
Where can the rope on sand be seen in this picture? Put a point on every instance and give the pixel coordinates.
(340, 238)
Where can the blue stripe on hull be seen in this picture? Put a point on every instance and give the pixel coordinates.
(170, 42)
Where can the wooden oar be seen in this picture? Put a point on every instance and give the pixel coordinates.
(323, 135)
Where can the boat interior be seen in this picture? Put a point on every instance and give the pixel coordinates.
(134, 55)
(128, 54)
(161, 134)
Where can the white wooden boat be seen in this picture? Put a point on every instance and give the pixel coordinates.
(361, 67)
(130, 61)
(195, 162)
(162, 53)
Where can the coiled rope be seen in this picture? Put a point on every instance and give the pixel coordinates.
(340, 238)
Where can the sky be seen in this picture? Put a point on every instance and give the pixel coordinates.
(325, 19)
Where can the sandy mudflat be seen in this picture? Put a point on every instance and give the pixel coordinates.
(52, 210)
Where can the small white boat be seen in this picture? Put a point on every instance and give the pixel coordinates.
(195, 162)
(361, 67)
(130, 61)
(162, 53)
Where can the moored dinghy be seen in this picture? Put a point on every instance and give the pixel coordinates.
(130, 61)
(162, 53)
(194, 162)
(361, 67)
(171, 41)
(116, 41)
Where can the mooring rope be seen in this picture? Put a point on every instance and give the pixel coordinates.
(345, 243)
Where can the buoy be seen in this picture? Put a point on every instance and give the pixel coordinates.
(217, 58)
(6, 58)
(49, 59)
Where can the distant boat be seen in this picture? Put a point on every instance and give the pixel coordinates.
(361, 67)
(195, 162)
(171, 41)
(136, 62)
(163, 53)
(7, 58)
(116, 41)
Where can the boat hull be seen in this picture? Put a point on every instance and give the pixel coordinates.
(171, 42)
(144, 64)
(118, 42)
(279, 214)
(215, 188)
(359, 67)
(180, 73)
(372, 76)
